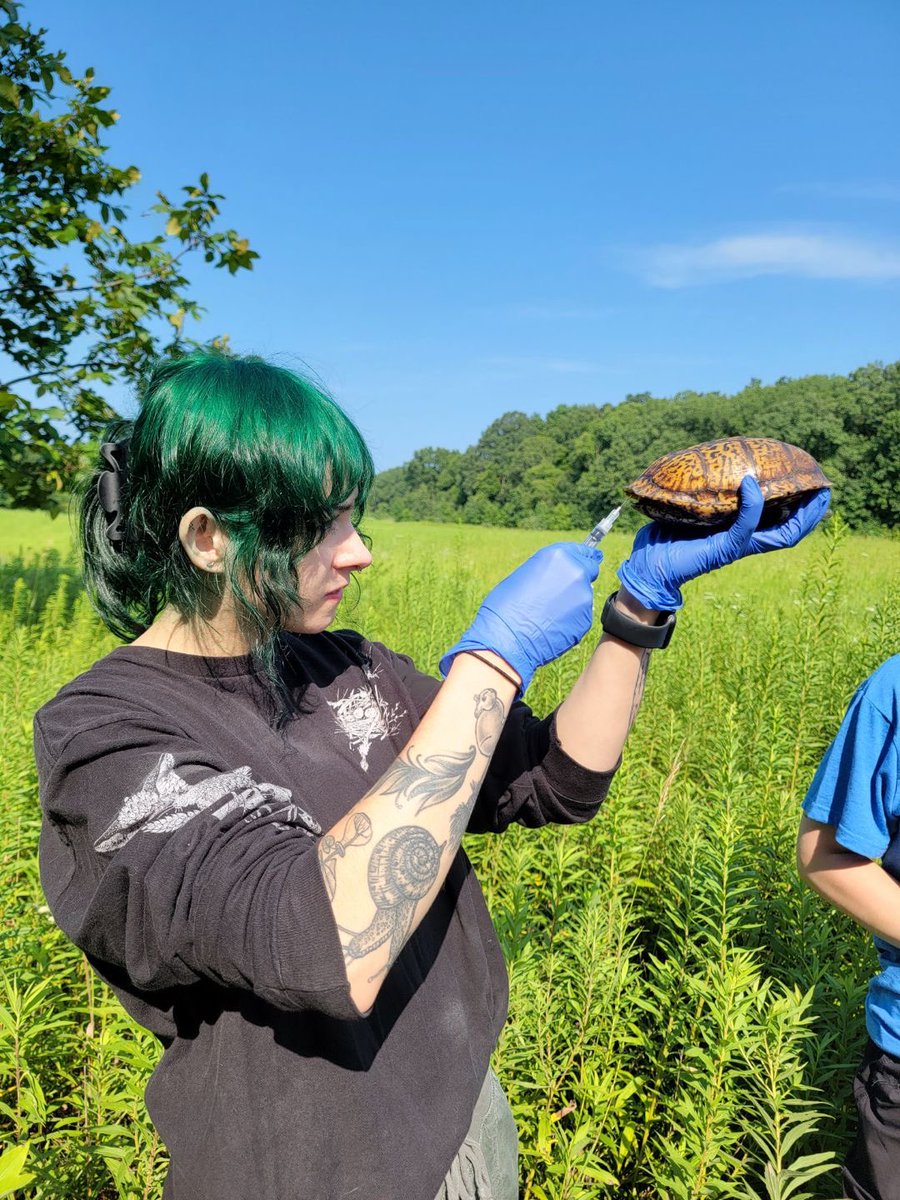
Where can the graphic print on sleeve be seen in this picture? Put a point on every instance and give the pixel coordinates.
(364, 717)
(165, 802)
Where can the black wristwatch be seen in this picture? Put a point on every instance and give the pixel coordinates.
(626, 629)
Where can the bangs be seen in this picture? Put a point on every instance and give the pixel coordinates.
(269, 452)
(350, 469)
(321, 461)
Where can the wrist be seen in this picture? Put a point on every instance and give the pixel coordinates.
(630, 606)
(507, 663)
(499, 665)
(654, 593)
(643, 632)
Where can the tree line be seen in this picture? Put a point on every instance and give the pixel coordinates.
(569, 468)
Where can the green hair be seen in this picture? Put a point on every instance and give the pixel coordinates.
(268, 452)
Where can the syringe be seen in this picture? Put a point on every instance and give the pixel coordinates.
(602, 528)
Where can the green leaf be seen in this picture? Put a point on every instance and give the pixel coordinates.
(109, 315)
(12, 1177)
(9, 92)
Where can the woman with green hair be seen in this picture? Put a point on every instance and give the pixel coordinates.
(252, 823)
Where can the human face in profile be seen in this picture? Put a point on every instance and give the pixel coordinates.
(326, 571)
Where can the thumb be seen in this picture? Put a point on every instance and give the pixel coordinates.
(592, 557)
(737, 539)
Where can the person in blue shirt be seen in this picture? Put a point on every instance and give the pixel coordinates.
(848, 850)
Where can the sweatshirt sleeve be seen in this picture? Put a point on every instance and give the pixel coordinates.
(176, 868)
(531, 779)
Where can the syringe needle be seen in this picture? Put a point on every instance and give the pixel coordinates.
(602, 528)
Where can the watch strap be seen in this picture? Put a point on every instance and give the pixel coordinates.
(649, 637)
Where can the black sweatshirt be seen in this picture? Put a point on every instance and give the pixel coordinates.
(177, 852)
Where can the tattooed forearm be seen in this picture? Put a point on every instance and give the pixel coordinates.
(639, 687)
(490, 714)
(402, 870)
(357, 832)
(428, 780)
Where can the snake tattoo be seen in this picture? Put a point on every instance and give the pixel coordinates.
(402, 870)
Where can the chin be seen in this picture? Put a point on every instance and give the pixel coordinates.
(306, 623)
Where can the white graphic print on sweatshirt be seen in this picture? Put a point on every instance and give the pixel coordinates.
(364, 717)
(165, 802)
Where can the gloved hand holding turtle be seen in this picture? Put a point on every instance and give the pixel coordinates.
(538, 612)
(691, 493)
(664, 557)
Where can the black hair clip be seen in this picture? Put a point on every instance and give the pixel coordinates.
(109, 489)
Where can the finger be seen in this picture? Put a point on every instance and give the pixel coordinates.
(593, 557)
(737, 539)
(797, 526)
(811, 512)
(585, 558)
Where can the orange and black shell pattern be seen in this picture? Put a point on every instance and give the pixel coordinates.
(699, 486)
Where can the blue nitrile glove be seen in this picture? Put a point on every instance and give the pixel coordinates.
(538, 612)
(662, 558)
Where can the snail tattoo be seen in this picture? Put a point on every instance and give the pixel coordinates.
(402, 870)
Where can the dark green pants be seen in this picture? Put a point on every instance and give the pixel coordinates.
(486, 1166)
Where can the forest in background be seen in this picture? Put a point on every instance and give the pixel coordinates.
(566, 470)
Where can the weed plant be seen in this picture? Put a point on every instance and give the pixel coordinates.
(685, 1016)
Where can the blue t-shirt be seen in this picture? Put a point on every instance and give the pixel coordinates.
(857, 791)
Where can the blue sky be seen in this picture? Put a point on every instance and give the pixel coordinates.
(485, 206)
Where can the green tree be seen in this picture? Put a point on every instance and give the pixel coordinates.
(568, 469)
(82, 301)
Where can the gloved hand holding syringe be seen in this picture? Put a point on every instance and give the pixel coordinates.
(541, 610)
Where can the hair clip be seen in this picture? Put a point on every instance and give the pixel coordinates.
(109, 489)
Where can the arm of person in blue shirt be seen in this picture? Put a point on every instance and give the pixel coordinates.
(852, 808)
(851, 882)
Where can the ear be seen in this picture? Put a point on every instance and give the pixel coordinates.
(203, 539)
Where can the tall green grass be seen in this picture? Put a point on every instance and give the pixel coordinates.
(685, 1016)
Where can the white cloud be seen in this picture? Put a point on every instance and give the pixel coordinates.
(808, 255)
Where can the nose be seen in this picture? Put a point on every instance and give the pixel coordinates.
(352, 554)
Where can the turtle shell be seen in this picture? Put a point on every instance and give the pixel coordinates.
(699, 486)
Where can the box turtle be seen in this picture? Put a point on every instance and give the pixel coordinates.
(699, 486)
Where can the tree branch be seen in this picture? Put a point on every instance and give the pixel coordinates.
(47, 371)
(110, 285)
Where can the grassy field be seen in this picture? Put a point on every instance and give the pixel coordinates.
(685, 1017)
